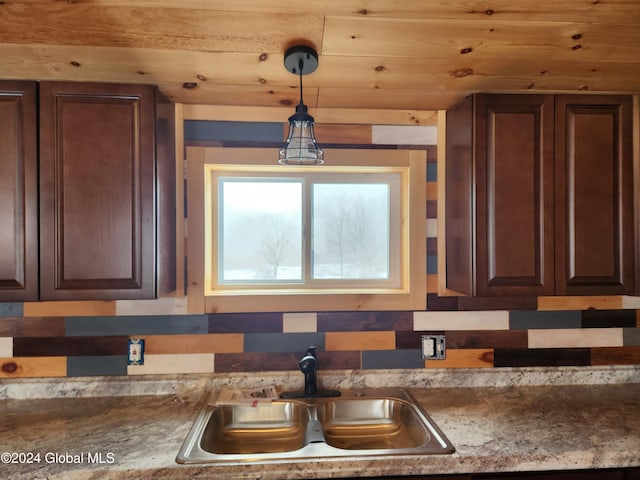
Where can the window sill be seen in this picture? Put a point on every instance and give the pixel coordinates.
(315, 301)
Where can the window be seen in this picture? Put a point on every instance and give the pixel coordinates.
(306, 228)
(340, 236)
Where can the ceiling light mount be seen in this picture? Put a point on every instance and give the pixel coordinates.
(301, 60)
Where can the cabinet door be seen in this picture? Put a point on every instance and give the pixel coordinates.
(97, 194)
(18, 192)
(514, 195)
(594, 195)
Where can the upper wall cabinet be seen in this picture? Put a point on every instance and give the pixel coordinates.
(106, 180)
(18, 192)
(539, 195)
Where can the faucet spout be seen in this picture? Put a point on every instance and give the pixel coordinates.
(309, 366)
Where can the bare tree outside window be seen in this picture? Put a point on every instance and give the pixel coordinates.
(261, 235)
(275, 246)
(351, 231)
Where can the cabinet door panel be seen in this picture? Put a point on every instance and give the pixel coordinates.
(18, 192)
(97, 191)
(514, 195)
(594, 191)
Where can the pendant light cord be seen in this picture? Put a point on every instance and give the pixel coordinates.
(300, 67)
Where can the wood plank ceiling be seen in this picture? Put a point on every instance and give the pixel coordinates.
(374, 54)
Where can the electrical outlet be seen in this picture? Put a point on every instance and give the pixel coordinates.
(136, 351)
(433, 347)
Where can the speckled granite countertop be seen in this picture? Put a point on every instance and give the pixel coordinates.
(528, 420)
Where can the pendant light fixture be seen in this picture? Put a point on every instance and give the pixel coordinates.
(301, 147)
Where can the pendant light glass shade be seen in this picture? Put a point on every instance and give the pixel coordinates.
(301, 147)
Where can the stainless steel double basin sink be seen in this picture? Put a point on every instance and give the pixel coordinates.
(358, 423)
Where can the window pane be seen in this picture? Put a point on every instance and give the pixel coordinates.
(350, 231)
(261, 235)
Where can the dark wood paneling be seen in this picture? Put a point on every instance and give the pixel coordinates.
(609, 318)
(487, 339)
(32, 327)
(514, 195)
(364, 321)
(68, 346)
(498, 303)
(542, 357)
(432, 246)
(436, 303)
(432, 209)
(594, 195)
(18, 192)
(615, 356)
(97, 203)
(471, 339)
(255, 362)
(245, 323)
(282, 361)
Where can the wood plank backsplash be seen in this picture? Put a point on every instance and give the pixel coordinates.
(50, 339)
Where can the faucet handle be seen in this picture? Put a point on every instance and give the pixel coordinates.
(311, 351)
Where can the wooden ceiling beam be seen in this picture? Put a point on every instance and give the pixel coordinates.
(321, 115)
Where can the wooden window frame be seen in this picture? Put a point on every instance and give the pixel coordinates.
(410, 296)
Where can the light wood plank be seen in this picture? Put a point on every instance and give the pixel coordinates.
(69, 309)
(433, 283)
(208, 343)
(437, 39)
(375, 116)
(432, 191)
(248, 95)
(399, 99)
(346, 134)
(404, 135)
(174, 363)
(358, 82)
(29, 367)
(300, 322)
(321, 115)
(349, 341)
(162, 306)
(575, 337)
(464, 358)
(620, 11)
(598, 302)
(6, 347)
(79, 23)
(481, 320)
(629, 302)
(195, 230)
(154, 65)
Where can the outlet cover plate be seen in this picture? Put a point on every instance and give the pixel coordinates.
(433, 347)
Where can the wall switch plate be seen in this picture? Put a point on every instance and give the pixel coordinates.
(136, 351)
(433, 347)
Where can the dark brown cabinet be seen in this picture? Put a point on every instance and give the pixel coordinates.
(539, 195)
(106, 192)
(18, 191)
